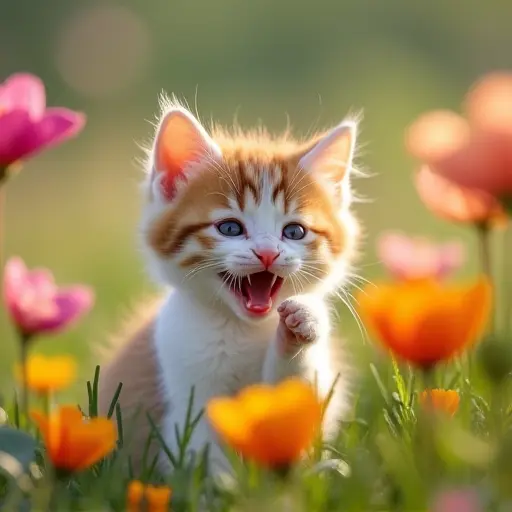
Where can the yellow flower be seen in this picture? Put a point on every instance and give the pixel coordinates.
(157, 497)
(73, 442)
(425, 322)
(48, 374)
(445, 400)
(270, 425)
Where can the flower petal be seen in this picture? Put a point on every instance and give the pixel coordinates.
(96, 438)
(290, 426)
(59, 124)
(23, 91)
(436, 134)
(21, 137)
(17, 136)
(232, 425)
(424, 322)
(456, 203)
(15, 275)
(72, 303)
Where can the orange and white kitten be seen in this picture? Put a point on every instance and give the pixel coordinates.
(252, 234)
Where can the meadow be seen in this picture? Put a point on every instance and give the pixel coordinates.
(433, 297)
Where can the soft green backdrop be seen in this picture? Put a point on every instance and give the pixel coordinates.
(74, 209)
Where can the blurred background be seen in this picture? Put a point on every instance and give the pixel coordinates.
(74, 209)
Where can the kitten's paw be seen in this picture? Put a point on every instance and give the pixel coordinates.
(298, 326)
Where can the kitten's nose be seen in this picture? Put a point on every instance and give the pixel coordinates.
(266, 256)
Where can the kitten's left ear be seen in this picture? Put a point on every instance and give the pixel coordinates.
(331, 155)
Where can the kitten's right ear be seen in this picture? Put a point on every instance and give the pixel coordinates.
(179, 142)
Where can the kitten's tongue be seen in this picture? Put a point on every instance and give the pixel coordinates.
(257, 292)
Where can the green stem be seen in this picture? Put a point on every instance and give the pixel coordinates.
(427, 430)
(484, 239)
(24, 346)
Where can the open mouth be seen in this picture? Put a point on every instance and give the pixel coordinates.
(256, 291)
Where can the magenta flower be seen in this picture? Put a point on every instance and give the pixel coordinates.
(35, 303)
(409, 258)
(26, 125)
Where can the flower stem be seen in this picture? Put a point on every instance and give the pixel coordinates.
(24, 345)
(484, 239)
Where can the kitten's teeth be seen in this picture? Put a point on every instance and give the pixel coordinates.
(249, 278)
(274, 279)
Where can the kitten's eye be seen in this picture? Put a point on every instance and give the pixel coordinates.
(294, 231)
(230, 228)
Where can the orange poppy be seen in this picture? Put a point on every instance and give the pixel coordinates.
(134, 496)
(74, 443)
(425, 322)
(444, 400)
(270, 425)
(157, 498)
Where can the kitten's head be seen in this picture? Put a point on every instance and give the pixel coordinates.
(244, 220)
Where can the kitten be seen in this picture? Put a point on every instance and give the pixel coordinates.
(252, 234)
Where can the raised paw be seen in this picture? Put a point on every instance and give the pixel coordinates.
(298, 326)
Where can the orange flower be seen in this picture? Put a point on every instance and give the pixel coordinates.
(134, 496)
(425, 322)
(73, 442)
(271, 425)
(444, 400)
(47, 374)
(157, 498)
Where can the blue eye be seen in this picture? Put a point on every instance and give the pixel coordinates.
(294, 231)
(230, 228)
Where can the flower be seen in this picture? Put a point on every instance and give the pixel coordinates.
(26, 125)
(475, 153)
(416, 258)
(36, 305)
(445, 400)
(47, 374)
(74, 443)
(425, 322)
(454, 203)
(134, 496)
(458, 500)
(270, 425)
(157, 497)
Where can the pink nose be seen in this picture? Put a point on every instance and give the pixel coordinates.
(266, 256)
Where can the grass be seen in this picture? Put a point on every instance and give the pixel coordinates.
(389, 454)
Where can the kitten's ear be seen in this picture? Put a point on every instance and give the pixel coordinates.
(180, 141)
(331, 155)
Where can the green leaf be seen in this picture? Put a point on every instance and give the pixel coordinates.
(17, 451)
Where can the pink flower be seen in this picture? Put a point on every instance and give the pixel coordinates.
(476, 152)
(452, 202)
(36, 304)
(409, 258)
(26, 125)
(458, 500)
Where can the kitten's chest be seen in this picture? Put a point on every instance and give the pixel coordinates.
(198, 348)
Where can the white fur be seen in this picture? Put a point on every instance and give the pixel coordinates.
(203, 337)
